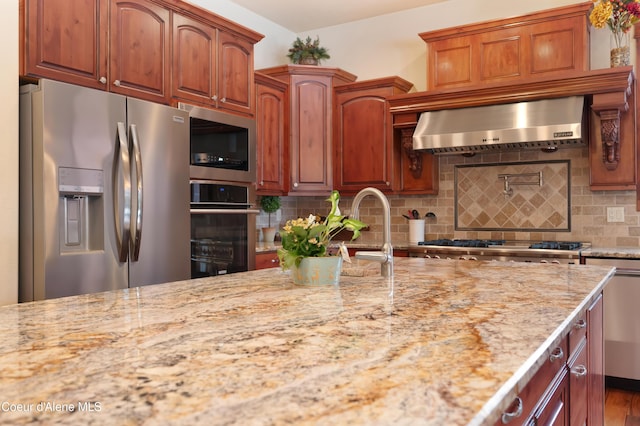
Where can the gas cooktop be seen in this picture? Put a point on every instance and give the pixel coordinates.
(546, 245)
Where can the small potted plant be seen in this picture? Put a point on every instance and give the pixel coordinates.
(305, 242)
(307, 52)
(269, 204)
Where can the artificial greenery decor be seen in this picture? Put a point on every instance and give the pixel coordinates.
(270, 204)
(307, 52)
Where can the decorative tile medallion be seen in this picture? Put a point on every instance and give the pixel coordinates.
(532, 196)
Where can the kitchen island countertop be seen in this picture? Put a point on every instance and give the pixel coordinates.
(443, 342)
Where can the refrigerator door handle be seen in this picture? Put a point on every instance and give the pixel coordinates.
(136, 231)
(121, 183)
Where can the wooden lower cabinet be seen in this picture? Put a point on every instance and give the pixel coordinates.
(568, 389)
(595, 363)
(266, 260)
(553, 409)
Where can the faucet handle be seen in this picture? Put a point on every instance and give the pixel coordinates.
(376, 256)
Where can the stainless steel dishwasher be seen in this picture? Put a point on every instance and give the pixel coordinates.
(621, 323)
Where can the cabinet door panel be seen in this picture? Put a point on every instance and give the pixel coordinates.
(67, 40)
(311, 123)
(235, 79)
(194, 60)
(139, 50)
(595, 360)
(272, 140)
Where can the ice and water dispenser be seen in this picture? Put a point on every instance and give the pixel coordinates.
(81, 222)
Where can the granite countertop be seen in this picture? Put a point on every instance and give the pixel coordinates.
(443, 342)
(612, 252)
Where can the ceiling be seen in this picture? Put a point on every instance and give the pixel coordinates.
(299, 16)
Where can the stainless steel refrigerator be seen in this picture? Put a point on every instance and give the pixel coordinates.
(104, 192)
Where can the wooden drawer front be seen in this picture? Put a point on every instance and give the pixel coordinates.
(534, 391)
(554, 409)
(267, 260)
(577, 334)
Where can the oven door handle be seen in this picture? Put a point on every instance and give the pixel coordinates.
(225, 211)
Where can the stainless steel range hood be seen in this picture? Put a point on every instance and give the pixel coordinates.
(545, 124)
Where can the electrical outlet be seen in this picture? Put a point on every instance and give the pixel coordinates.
(615, 214)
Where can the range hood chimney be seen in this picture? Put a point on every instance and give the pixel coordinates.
(545, 124)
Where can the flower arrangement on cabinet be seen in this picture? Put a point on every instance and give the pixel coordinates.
(311, 236)
(618, 15)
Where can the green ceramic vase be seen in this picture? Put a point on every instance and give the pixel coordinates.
(318, 271)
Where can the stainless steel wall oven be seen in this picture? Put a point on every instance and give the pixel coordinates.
(223, 228)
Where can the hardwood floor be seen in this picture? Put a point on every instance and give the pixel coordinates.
(621, 408)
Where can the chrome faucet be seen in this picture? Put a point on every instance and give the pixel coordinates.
(385, 257)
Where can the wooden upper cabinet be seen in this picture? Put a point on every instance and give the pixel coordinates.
(212, 67)
(311, 123)
(139, 44)
(272, 140)
(550, 43)
(157, 50)
(194, 60)
(363, 134)
(236, 89)
(65, 40)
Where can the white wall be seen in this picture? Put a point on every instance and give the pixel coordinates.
(389, 45)
(9, 153)
(271, 50)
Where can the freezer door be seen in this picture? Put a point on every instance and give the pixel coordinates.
(68, 244)
(160, 219)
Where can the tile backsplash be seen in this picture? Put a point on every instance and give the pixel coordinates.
(522, 196)
(587, 220)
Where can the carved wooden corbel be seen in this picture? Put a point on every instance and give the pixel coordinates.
(610, 133)
(415, 157)
(610, 107)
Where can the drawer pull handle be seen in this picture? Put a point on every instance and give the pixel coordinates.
(510, 415)
(557, 354)
(274, 260)
(580, 324)
(579, 371)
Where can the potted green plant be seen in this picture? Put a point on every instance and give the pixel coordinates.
(307, 52)
(305, 243)
(269, 204)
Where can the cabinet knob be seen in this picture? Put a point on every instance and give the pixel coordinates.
(116, 83)
(214, 97)
(388, 183)
(579, 371)
(517, 411)
(580, 324)
(295, 184)
(103, 80)
(223, 100)
(557, 354)
(261, 183)
(274, 260)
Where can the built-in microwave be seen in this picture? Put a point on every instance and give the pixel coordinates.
(223, 146)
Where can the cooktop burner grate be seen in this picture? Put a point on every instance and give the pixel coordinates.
(462, 243)
(548, 245)
(557, 245)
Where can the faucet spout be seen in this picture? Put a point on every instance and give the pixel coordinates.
(385, 256)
